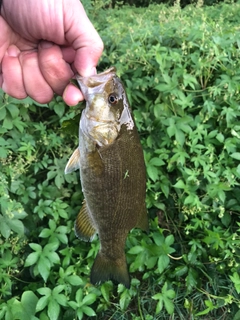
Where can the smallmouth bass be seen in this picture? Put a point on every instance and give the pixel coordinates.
(112, 173)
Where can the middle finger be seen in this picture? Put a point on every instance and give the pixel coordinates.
(35, 84)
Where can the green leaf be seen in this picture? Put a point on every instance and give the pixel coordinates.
(42, 303)
(159, 306)
(88, 311)
(156, 162)
(29, 302)
(235, 155)
(171, 294)
(151, 262)
(32, 258)
(180, 271)
(169, 240)
(79, 314)
(54, 257)
(7, 123)
(163, 87)
(169, 305)
(45, 291)
(226, 219)
(180, 184)
(45, 233)
(191, 279)
(35, 247)
(105, 290)
(57, 290)
(62, 238)
(73, 304)
(136, 250)
(17, 310)
(163, 262)
(3, 152)
(190, 199)
(79, 295)
(236, 280)
(220, 137)
(61, 299)
(237, 315)
(165, 297)
(124, 300)
(20, 125)
(53, 309)
(74, 280)
(59, 180)
(171, 130)
(152, 172)
(210, 307)
(13, 110)
(180, 136)
(16, 225)
(2, 113)
(59, 108)
(89, 299)
(44, 267)
(4, 228)
(51, 175)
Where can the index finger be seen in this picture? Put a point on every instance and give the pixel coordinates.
(84, 39)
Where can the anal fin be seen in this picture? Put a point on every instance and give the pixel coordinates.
(73, 162)
(84, 227)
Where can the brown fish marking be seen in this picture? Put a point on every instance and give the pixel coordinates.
(112, 172)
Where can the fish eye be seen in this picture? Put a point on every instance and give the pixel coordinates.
(112, 99)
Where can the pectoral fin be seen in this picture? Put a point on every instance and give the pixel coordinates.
(73, 162)
(95, 162)
(84, 227)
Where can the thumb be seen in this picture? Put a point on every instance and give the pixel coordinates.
(83, 37)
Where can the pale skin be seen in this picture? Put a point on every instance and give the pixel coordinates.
(43, 44)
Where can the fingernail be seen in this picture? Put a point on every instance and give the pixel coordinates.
(88, 72)
(13, 51)
(46, 44)
(93, 71)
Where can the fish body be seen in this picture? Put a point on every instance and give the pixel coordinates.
(112, 173)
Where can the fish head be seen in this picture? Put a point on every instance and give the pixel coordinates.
(107, 108)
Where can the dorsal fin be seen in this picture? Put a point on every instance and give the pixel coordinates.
(84, 226)
(73, 162)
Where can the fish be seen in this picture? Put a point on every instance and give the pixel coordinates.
(112, 173)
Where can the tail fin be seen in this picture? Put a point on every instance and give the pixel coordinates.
(104, 269)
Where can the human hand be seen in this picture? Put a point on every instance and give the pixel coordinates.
(42, 45)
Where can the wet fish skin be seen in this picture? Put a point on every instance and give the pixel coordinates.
(112, 173)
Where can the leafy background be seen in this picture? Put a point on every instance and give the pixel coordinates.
(181, 71)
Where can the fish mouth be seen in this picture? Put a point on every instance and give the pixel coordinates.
(95, 84)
